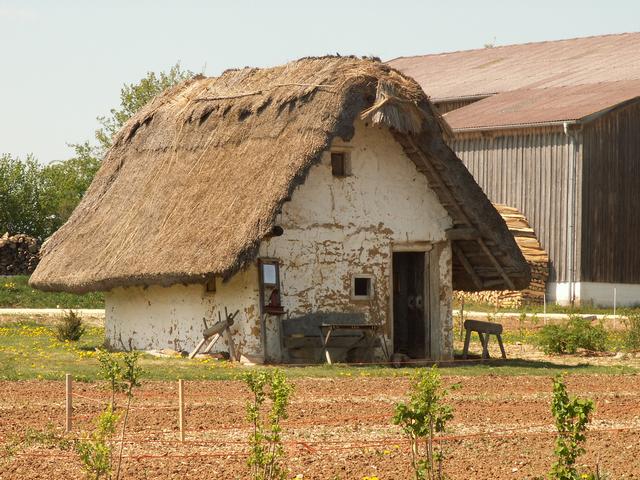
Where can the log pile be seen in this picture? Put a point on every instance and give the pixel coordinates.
(536, 257)
(18, 254)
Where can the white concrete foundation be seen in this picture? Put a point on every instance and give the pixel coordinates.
(596, 293)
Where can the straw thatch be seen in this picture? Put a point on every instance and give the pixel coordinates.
(194, 180)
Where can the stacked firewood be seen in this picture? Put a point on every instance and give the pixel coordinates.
(18, 254)
(535, 256)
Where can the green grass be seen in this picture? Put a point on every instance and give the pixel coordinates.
(15, 292)
(551, 308)
(29, 350)
(616, 339)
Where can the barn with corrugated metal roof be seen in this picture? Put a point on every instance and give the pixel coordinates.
(553, 129)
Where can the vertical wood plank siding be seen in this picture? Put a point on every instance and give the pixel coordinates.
(611, 209)
(530, 169)
(449, 105)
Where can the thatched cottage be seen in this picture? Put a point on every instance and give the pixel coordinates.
(323, 185)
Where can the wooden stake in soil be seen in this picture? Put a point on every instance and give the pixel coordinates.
(68, 402)
(181, 409)
(461, 318)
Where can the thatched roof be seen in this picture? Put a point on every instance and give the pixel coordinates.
(195, 179)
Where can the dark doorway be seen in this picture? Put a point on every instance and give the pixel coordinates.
(410, 324)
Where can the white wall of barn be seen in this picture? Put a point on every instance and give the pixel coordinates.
(334, 228)
(599, 294)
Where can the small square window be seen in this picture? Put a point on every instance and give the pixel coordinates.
(210, 286)
(269, 274)
(340, 165)
(362, 287)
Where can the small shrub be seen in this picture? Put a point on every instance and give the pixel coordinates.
(129, 376)
(571, 418)
(111, 371)
(555, 339)
(70, 327)
(577, 332)
(96, 449)
(535, 320)
(522, 323)
(267, 451)
(49, 438)
(421, 419)
(632, 335)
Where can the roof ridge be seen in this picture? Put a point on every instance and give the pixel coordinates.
(513, 45)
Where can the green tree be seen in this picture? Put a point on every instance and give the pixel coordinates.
(37, 199)
(134, 96)
(64, 183)
(20, 195)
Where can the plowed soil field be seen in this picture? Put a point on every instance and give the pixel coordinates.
(338, 428)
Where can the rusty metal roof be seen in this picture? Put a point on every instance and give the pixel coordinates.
(542, 105)
(561, 63)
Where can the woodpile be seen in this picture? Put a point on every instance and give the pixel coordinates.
(536, 257)
(18, 254)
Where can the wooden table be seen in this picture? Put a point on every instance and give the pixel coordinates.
(368, 332)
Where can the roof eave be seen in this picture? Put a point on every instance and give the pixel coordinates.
(515, 126)
(462, 98)
(554, 123)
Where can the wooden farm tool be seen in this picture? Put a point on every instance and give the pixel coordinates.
(213, 333)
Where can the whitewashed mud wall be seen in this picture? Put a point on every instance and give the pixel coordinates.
(171, 317)
(442, 341)
(335, 228)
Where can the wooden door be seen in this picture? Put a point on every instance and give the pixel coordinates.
(411, 326)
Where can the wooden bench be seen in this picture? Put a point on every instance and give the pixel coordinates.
(328, 331)
(483, 329)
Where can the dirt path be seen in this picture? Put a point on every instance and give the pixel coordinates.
(339, 428)
(50, 316)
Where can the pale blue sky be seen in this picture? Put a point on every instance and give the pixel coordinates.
(63, 62)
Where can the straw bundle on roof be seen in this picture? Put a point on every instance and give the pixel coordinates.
(194, 180)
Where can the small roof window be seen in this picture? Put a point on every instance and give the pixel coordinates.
(340, 164)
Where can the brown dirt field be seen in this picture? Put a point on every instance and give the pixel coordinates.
(339, 428)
